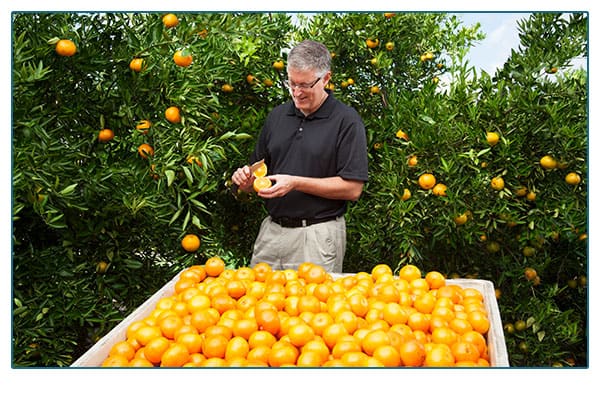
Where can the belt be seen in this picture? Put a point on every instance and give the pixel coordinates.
(299, 222)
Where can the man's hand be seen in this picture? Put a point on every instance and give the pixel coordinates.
(283, 184)
(243, 178)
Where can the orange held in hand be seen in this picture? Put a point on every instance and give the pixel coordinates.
(262, 182)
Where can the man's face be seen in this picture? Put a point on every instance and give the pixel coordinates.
(306, 88)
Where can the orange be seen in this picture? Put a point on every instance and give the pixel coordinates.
(222, 330)
(146, 333)
(202, 319)
(182, 58)
(124, 349)
(173, 115)
(409, 273)
(192, 341)
(190, 243)
(435, 279)
(139, 363)
(192, 274)
(105, 135)
(137, 64)
(348, 319)
(477, 339)
(412, 353)
(394, 313)
(439, 189)
(145, 150)
(320, 321)
(440, 355)
(170, 20)
(492, 138)
(300, 334)
(237, 347)
(223, 302)
(354, 359)
(322, 291)
(143, 126)
(426, 181)
(244, 327)
(268, 320)
(115, 361)
(259, 354)
(373, 340)
(154, 349)
(65, 48)
(261, 182)
(465, 351)
(309, 359)
(573, 178)
(332, 333)
(261, 170)
(246, 302)
(261, 271)
(315, 274)
(214, 362)
(444, 335)
(278, 65)
(388, 356)
(412, 161)
(317, 345)
(198, 302)
(236, 289)
(175, 356)
(169, 325)
(418, 322)
(497, 183)
(460, 325)
(461, 219)
(214, 266)
(309, 303)
(452, 292)
(134, 326)
(282, 355)
(387, 293)
(261, 338)
(424, 303)
(345, 346)
(214, 346)
(479, 321)
(244, 273)
(379, 270)
(359, 304)
(548, 162)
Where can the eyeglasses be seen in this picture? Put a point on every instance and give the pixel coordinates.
(302, 86)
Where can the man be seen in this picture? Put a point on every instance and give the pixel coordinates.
(316, 153)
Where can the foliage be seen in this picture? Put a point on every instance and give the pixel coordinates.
(79, 203)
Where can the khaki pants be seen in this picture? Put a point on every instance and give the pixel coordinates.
(286, 248)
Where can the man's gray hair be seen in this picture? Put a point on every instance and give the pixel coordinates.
(310, 55)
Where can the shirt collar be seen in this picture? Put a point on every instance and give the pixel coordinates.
(322, 112)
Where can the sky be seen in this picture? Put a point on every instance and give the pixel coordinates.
(501, 36)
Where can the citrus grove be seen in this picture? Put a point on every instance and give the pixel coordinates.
(127, 127)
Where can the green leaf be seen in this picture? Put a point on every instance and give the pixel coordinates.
(170, 174)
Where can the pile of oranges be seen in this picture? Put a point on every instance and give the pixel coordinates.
(259, 317)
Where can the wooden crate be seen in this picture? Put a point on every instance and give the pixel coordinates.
(495, 336)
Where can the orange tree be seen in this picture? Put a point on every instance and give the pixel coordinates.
(107, 219)
(502, 214)
(97, 221)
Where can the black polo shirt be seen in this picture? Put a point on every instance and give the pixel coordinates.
(329, 142)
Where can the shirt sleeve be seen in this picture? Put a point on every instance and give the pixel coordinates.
(352, 161)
